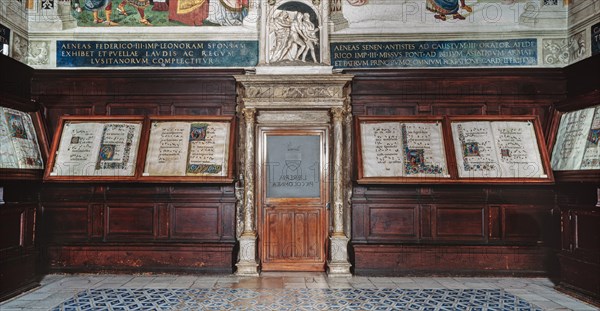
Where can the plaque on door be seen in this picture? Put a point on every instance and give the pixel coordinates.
(293, 166)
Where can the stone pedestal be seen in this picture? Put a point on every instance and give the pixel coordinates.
(339, 266)
(247, 265)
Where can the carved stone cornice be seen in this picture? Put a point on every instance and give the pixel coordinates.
(293, 92)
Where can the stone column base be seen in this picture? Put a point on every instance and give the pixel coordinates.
(246, 268)
(339, 266)
(247, 265)
(338, 269)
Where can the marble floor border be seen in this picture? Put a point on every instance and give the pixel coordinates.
(56, 288)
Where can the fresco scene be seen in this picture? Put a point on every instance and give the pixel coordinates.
(441, 15)
(110, 13)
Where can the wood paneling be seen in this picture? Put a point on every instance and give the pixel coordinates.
(470, 229)
(139, 227)
(294, 237)
(459, 222)
(67, 220)
(578, 197)
(19, 209)
(18, 250)
(450, 260)
(146, 220)
(393, 221)
(172, 257)
(195, 221)
(130, 220)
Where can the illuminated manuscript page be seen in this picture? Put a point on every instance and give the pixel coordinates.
(423, 150)
(517, 149)
(78, 149)
(117, 153)
(475, 150)
(20, 148)
(591, 155)
(208, 149)
(167, 149)
(571, 139)
(8, 155)
(381, 149)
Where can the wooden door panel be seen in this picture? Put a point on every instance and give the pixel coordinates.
(294, 235)
(292, 198)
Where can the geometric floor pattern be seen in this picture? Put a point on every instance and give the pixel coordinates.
(124, 299)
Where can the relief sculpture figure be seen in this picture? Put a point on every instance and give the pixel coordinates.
(293, 36)
(281, 31)
(310, 38)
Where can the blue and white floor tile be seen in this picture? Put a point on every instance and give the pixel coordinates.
(285, 291)
(295, 299)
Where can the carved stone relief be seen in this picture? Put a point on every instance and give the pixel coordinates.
(294, 34)
(564, 51)
(577, 46)
(19, 51)
(555, 51)
(39, 52)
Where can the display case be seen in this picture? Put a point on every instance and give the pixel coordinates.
(142, 149)
(453, 149)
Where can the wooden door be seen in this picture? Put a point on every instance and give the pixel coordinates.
(293, 199)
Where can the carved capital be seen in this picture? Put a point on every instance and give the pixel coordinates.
(249, 115)
(338, 113)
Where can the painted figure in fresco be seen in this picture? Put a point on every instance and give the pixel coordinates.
(95, 6)
(140, 5)
(447, 7)
(226, 12)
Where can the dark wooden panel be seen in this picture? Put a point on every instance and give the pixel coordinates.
(15, 80)
(459, 222)
(67, 220)
(12, 229)
(441, 109)
(204, 257)
(393, 222)
(523, 223)
(194, 109)
(456, 82)
(586, 240)
(451, 260)
(133, 220)
(199, 221)
(582, 76)
(129, 108)
(580, 278)
(391, 109)
(18, 274)
(18, 251)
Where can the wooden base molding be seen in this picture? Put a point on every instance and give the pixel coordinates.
(180, 258)
(451, 260)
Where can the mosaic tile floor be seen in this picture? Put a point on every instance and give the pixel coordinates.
(295, 299)
(289, 291)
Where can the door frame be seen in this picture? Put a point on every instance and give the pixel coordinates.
(323, 131)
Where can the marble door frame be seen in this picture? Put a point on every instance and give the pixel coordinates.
(295, 100)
